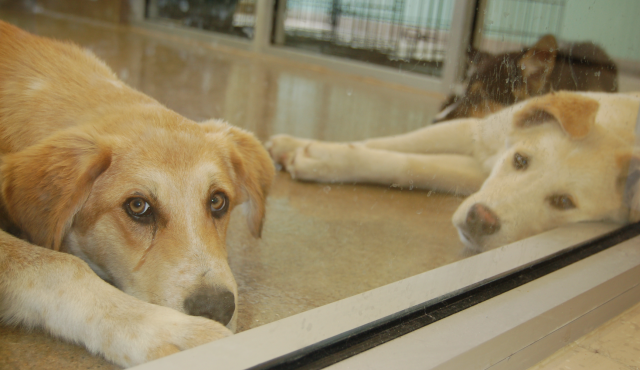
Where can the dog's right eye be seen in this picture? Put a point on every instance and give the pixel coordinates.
(520, 162)
(138, 208)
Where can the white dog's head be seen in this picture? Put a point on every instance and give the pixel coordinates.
(562, 164)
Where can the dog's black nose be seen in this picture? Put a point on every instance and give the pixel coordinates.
(211, 302)
(481, 221)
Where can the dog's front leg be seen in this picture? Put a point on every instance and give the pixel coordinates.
(336, 162)
(60, 293)
(451, 137)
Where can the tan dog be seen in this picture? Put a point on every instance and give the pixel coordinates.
(551, 160)
(132, 191)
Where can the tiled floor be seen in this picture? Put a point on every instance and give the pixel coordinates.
(613, 346)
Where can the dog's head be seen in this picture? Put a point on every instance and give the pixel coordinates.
(560, 166)
(497, 81)
(146, 207)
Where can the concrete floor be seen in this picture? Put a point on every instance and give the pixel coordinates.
(321, 242)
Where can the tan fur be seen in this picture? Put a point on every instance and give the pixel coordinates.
(76, 144)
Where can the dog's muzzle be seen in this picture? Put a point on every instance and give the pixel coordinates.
(214, 303)
(481, 221)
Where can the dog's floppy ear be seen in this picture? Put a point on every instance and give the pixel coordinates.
(576, 114)
(46, 184)
(253, 167)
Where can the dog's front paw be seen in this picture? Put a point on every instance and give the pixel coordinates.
(283, 147)
(324, 162)
(161, 332)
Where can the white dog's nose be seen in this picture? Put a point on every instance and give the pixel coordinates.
(211, 302)
(481, 221)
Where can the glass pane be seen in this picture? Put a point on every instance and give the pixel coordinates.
(231, 17)
(370, 191)
(408, 35)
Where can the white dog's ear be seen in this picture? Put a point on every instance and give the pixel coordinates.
(575, 113)
(253, 167)
(46, 184)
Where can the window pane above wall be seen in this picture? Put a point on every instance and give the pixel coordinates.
(232, 17)
(405, 34)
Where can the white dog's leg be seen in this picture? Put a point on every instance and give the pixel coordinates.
(60, 293)
(453, 137)
(338, 162)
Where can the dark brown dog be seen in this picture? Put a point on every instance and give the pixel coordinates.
(497, 81)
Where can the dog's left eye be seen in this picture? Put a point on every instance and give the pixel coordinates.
(138, 207)
(219, 204)
(562, 202)
(520, 162)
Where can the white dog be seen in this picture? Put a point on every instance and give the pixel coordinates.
(551, 160)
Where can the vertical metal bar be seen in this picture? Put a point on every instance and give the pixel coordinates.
(394, 30)
(135, 11)
(335, 18)
(263, 27)
(367, 21)
(463, 13)
(152, 9)
(352, 22)
(478, 25)
(438, 32)
(399, 23)
(279, 32)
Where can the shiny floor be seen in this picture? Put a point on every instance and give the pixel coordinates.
(613, 346)
(321, 242)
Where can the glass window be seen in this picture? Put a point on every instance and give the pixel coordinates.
(231, 17)
(378, 182)
(407, 35)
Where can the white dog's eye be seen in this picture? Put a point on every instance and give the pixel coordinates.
(219, 204)
(562, 202)
(520, 162)
(138, 207)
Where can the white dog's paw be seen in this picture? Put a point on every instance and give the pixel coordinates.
(325, 162)
(161, 332)
(282, 147)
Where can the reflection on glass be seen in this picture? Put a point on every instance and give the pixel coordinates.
(232, 17)
(405, 34)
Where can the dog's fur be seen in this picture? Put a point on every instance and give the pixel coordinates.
(497, 81)
(77, 147)
(555, 159)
